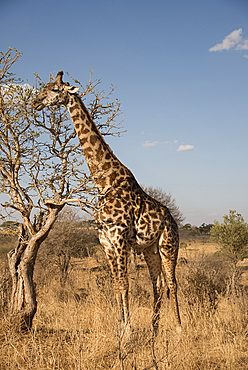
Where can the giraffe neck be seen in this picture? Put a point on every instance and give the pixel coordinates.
(103, 164)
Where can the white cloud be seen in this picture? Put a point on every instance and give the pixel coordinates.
(231, 40)
(25, 87)
(13, 91)
(150, 144)
(183, 148)
(243, 45)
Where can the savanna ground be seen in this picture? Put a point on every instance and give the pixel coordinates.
(76, 325)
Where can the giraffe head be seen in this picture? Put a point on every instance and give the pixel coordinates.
(54, 93)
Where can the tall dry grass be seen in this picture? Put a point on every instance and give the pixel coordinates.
(77, 326)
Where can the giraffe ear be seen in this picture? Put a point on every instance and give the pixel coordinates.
(72, 89)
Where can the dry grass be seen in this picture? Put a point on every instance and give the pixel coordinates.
(77, 327)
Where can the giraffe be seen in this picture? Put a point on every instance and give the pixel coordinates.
(126, 216)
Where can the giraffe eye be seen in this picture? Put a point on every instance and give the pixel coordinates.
(55, 89)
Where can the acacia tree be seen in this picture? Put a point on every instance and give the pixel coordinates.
(41, 170)
(232, 237)
(167, 200)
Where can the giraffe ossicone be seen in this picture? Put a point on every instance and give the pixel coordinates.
(127, 217)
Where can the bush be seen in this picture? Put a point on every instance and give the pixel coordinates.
(202, 283)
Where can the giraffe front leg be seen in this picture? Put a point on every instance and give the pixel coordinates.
(112, 261)
(153, 261)
(122, 282)
(117, 259)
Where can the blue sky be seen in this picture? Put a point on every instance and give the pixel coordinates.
(180, 71)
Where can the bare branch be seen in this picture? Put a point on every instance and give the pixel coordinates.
(7, 59)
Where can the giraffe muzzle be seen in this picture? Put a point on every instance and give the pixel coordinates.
(38, 105)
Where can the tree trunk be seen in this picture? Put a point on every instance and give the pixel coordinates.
(23, 297)
(21, 264)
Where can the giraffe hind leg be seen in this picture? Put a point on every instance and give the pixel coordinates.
(168, 252)
(153, 261)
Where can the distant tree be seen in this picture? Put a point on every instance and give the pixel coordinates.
(167, 200)
(205, 228)
(41, 170)
(232, 237)
(9, 226)
(187, 227)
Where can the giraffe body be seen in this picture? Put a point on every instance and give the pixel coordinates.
(127, 217)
